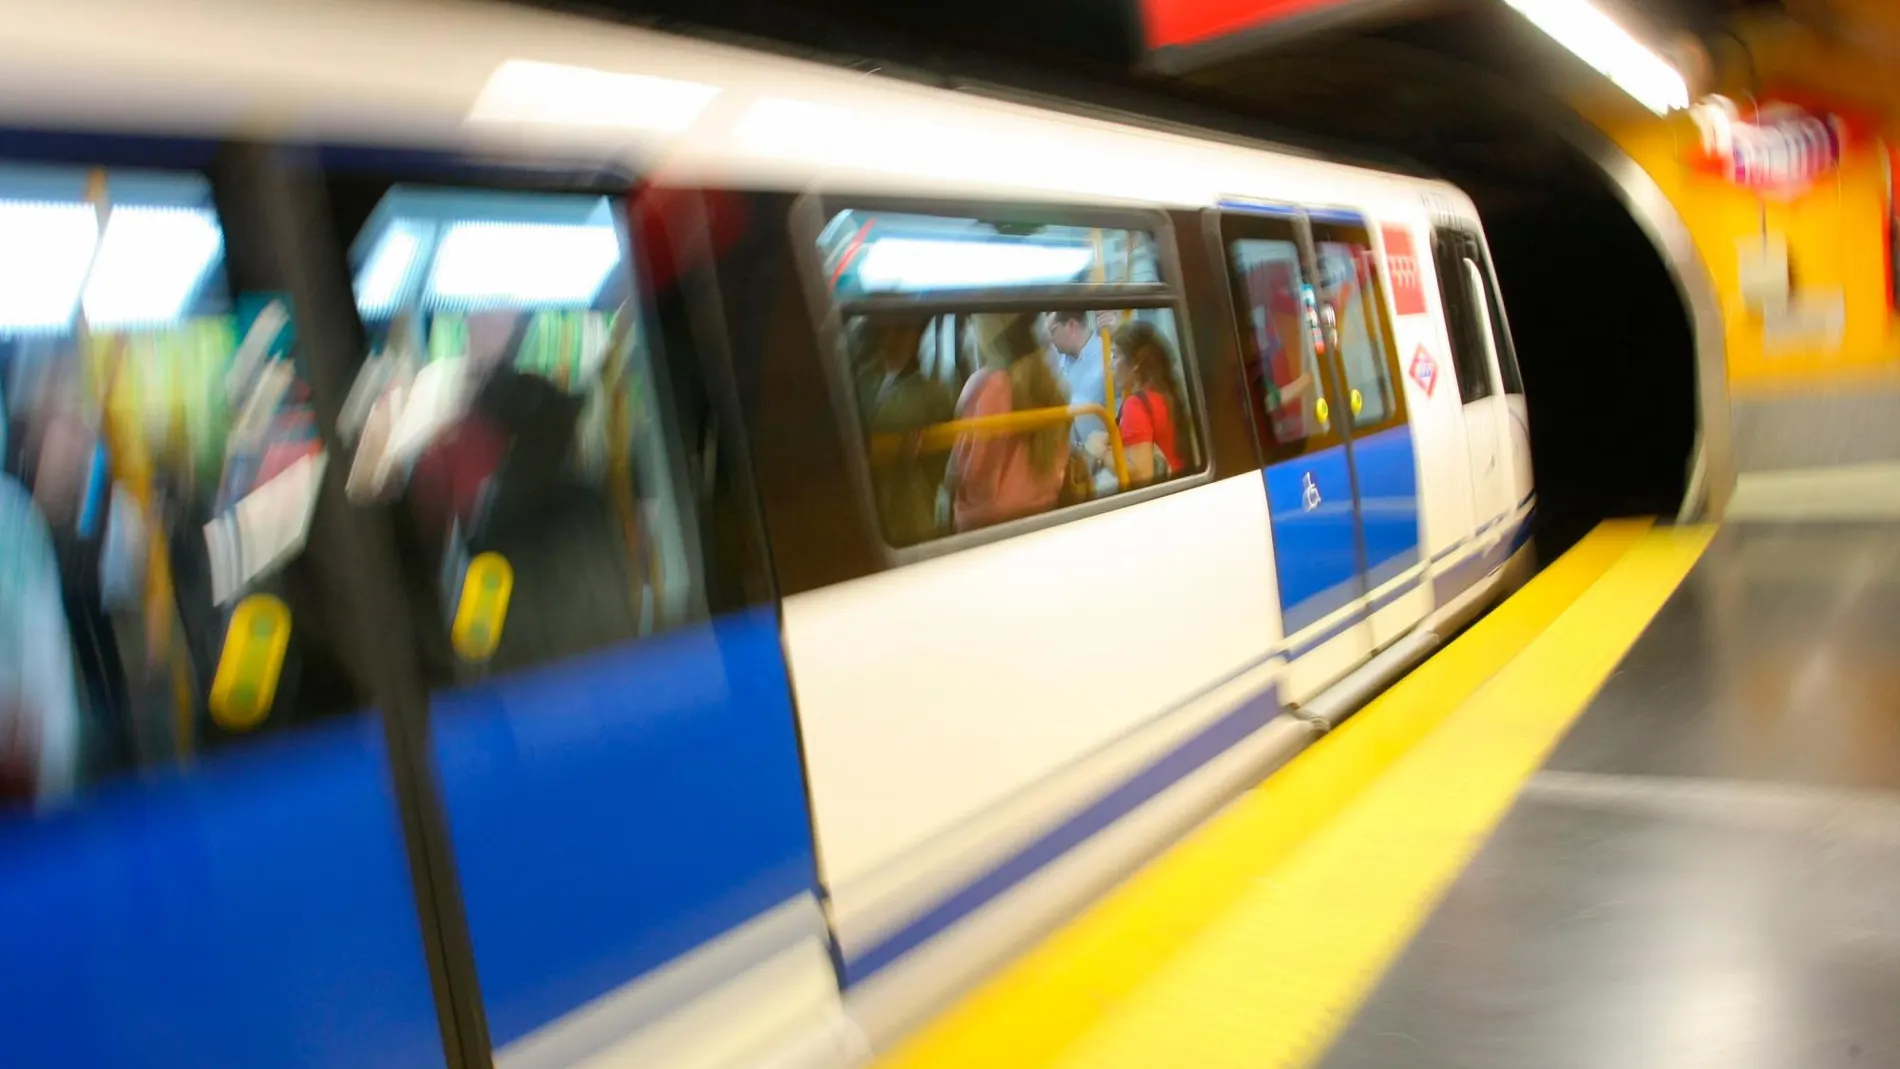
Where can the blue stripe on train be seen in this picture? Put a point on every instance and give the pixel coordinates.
(1167, 770)
(1461, 573)
(612, 812)
(254, 911)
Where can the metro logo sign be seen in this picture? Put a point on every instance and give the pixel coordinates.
(1424, 370)
(1401, 262)
(1173, 23)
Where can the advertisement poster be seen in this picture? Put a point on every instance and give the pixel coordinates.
(1793, 154)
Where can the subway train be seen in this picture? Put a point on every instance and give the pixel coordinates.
(555, 544)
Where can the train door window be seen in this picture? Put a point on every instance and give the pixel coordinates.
(1513, 379)
(162, 474)
(1349, 296)
(1287, 394)
(507, 411)
(1469, 360)
(1004, 368)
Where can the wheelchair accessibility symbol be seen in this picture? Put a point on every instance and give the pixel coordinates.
(1309, 492)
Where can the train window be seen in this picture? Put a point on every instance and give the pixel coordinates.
(1349, 290)
(1287, 395)
(1500, 329)
(974, 419)
(1004, 370)
(864, 253)
(507, 413)
(161, 480)
(1470, 360)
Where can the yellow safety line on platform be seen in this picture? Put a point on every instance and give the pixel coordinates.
(1250, 943)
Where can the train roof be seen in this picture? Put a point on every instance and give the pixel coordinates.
(530, 85)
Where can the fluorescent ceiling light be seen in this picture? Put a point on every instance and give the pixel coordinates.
(150, 265)
(143, 272)
(487, 264)
(914, 264)
(1599, 41)
(524, 91)
(45, 252)
(390, 265)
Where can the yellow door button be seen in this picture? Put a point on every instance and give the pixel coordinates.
(245, 684)
(483, 607)
(1322, 411)
(1358, 402)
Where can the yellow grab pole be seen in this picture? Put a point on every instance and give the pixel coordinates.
(1108, 377)
(616, 384)
(941, 437)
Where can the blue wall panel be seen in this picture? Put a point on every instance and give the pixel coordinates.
(614, 811)
(255, 911)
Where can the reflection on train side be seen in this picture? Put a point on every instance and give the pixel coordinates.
(504, 411)
(162, 468)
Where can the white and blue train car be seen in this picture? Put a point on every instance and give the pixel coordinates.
(519, 555)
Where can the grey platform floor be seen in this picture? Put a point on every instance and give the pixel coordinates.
(1707, 870)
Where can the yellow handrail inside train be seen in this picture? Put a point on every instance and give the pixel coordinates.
(940, 437)
(1108, 376)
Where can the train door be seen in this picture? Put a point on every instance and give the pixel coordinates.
(1475, 365)
(610, 722)
(1358, 335)
(1331, 422)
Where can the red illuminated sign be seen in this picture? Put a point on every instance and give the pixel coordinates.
(1401, 263)
(1172, 23)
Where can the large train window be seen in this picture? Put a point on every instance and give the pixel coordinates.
(161, 479)
(506, 413)
(1500, 328)
(1003, 368)
(1470, 359)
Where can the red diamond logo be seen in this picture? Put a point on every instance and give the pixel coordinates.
(1424, 370)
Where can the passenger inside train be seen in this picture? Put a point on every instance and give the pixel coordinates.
(1075, 340)
(896, 396)
(503, 421)
(162, 474)
(1150, 394)
(998, 477)
(998, 469)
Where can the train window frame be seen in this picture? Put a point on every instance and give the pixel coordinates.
(812, 211)
(451, 175)
(1273, 223)
(1451, 246)
(1357, 230)
(1510, 374)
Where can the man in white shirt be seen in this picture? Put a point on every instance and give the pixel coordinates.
(1076, 338)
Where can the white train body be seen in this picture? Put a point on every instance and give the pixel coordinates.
(992, 723)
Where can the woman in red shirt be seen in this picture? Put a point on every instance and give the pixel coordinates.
(1151, 403)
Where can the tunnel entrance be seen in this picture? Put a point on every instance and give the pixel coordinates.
(1608, 360)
